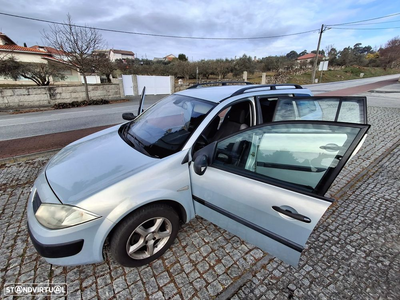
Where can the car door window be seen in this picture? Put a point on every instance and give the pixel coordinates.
(229, 120)
(335, 109)
(306, 108)
(296, 154)
(267, 108)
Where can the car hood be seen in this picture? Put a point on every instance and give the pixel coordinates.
(92, 164)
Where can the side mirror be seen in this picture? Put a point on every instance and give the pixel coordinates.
(200, 164)
(128, 116)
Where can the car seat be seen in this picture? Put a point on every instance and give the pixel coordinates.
(236, 119)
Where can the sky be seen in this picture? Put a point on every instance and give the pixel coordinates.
(277, 22)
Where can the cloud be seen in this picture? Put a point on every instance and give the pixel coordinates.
(246, 18)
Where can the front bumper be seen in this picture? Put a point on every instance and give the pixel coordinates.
(76, 245)
(58, 250)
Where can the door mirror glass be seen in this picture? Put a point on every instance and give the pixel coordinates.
(200, 164)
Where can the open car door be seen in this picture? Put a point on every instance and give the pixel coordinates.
(266, 184)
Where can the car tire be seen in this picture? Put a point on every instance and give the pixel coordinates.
(144, 235)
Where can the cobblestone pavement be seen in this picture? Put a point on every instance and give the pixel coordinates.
(354, 252)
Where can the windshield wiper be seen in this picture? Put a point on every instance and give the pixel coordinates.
(123, 134)
(139, 144)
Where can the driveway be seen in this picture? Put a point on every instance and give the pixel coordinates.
(352, 254)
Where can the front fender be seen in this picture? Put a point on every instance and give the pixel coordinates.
(182, 197)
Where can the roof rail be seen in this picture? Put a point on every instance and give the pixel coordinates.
(270, 86)
(222, 83)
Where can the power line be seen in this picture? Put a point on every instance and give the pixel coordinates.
(374, 23)
(350, 28)
(161, 35)
(388, 16)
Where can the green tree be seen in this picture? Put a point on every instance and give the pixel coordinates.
(244, 63)
(40, 74)
(346, 57)
(222, 67)
(321, 52)
(274, 63)
(9, 67)
(183, 69)
(293, 55)
(206, 68)
(182, 57)
(359, 54)
(304, 52)
(332, 54)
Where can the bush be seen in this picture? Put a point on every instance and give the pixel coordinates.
(353, 70)
(80, 103)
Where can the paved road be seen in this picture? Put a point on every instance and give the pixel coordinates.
(15, 126)
(352, 254)
(47, 122)
(35, 132)
(340, 85)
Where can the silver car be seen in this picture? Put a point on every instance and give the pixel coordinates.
(255, 160)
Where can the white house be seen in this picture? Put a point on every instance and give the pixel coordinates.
(121, 54)
(34, 55)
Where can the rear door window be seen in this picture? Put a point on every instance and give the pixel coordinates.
(334, 109)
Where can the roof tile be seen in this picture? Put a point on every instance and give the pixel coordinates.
(21, 49)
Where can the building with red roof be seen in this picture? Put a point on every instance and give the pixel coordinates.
(35, 54)
(308, 57)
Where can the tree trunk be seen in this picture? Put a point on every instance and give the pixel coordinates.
(86, 87)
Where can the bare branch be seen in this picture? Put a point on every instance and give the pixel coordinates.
(76, 43)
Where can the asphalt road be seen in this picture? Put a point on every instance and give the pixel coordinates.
(21, 125)
(27, 133)
(339, 85)
(15, 126)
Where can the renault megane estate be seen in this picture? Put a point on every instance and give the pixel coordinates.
(255, 160)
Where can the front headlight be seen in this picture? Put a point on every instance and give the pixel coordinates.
(57, 216)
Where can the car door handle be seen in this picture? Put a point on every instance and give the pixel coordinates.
(331, 147)
(288, 213)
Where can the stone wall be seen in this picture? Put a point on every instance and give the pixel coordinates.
(38, 96)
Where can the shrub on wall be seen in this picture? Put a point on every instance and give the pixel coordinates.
(80, 103)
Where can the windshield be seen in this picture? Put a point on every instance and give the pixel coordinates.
(164, 128)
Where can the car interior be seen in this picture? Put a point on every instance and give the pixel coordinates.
(232, 119)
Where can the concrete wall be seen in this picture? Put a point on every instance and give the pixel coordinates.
(38, 96)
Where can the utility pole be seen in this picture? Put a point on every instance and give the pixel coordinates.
(316, 57)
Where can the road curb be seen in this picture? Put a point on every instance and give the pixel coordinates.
(25, 157)
(383, 92)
